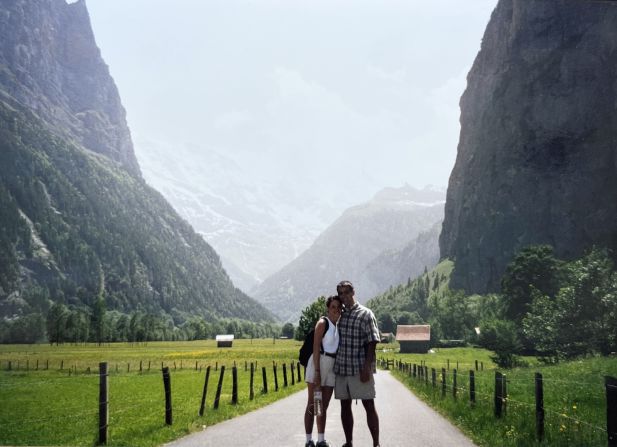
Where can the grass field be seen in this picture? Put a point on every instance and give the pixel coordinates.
(574, 398)
(60, 406)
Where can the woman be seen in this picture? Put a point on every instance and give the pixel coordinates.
(320, 370)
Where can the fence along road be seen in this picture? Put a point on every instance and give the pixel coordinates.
(403, 418)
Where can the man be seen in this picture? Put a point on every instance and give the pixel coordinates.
(355, 362)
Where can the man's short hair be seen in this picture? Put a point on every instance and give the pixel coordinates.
(345, 284)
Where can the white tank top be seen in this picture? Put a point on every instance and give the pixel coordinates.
(331, 338)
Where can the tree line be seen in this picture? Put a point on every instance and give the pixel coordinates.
(548, 307)
(63, 324)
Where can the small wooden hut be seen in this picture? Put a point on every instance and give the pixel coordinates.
(414, 338)
(224, 341)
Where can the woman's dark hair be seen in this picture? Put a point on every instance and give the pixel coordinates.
(332, 298)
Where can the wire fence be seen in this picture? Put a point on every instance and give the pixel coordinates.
(69, 401)
(524, 397)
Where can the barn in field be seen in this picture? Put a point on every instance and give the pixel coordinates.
(224, 341)
(414, 338)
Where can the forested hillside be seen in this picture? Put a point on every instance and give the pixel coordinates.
(76, 228)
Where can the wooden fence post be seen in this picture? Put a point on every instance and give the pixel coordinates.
(472, 387)
(141, 367)
(293, 377)
(454, 383)
(611, 409)
(425, 375)
(219, 388)
(434, 377)
(504, 394)
(234, 392)
(285, 383)
(298, 368)
(498, 395)
(276, 376)
(539, 408)
(443, 382)
(251, 391)
(414, 371)
(103, 402)
(205, 391)
(265, 380)
(167, 386)
(476, 365)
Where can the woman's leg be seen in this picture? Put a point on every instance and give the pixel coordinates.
(308, 412)
(326, 394)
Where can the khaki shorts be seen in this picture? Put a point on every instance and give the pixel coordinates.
(326, 370)
(351, 387)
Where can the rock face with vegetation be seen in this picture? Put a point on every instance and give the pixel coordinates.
(537, 156)
(78, 224)
(49, 63)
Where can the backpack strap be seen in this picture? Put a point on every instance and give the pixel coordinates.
(321, 349)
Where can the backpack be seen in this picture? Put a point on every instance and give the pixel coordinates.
(307, 347)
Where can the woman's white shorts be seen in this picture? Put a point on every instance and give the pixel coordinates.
(326, 369)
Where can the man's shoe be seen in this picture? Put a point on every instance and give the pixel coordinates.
(322, 444)
(309, 444)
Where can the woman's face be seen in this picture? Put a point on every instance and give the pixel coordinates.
(334, 311)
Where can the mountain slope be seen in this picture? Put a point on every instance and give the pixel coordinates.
(391, 220)
(537, 156)
(77, 221)
(75, 226)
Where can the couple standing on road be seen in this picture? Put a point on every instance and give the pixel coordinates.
(343, 361)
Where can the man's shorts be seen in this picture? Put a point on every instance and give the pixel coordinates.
(350, 387)
(326, 370)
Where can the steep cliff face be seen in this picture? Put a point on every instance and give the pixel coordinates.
(49, 63)
(77, 221)
(537, 155)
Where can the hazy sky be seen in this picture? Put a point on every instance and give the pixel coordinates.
(336, 98)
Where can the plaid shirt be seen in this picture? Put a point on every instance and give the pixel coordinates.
(357, 327)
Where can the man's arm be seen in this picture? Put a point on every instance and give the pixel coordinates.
(367, 369)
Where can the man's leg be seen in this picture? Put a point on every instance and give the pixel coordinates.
(372, 420)
(347, 420)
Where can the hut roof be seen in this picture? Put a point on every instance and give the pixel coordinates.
(420, 332)
(225, 337)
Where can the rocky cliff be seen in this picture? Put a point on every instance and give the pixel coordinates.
(78, 224)
(537, 155)
(49, 63)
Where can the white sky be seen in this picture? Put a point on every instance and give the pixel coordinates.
(331, 98)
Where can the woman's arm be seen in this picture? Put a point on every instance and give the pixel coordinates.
(320, 329)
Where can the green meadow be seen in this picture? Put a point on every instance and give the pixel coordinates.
(574, 397)
(57, 404)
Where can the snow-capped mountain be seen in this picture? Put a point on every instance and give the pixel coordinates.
(256, 226)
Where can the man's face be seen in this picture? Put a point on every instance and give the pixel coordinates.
(346, 295)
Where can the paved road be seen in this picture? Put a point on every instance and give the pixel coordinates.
(404, 420)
